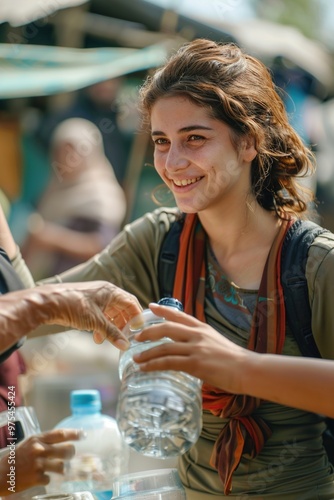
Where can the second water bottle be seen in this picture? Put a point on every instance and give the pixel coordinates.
(99, 457)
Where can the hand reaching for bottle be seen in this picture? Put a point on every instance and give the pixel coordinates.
(96, 306)
(35, 457)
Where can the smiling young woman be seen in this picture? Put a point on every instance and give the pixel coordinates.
(224, 147)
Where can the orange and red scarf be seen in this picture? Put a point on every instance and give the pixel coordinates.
(243, 433)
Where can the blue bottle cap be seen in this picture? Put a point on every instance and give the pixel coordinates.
(84, 398)
(171, 302)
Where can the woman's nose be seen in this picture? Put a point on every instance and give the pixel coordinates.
(176, 158)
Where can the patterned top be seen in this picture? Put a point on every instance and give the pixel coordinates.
(236, 304)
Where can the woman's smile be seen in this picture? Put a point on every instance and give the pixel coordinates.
(179, 186)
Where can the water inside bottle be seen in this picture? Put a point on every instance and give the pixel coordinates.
(160, 418)
(159, 484)
(126, 364)
(99, 457)
(158, 413)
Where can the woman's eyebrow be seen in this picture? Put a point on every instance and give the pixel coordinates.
(189, 128)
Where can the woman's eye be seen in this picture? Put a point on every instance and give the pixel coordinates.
(160, 141)
(196, 138)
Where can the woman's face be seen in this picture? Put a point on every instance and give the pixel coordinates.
(195, 157)
(66, 161)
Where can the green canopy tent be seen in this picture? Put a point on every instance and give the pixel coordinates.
(33, 70)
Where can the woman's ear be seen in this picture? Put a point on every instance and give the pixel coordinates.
(247, 150)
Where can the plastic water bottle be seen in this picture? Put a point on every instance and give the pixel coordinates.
(83, 495)
(159, 484)
(99, 457)
(158, 413)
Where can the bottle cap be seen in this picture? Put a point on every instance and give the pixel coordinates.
(171, 302)
(84, 398)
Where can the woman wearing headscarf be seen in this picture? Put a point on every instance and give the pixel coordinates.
(83, 206)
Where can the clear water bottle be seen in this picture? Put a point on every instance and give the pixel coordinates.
(83, 495)
(99, 457)
(158, 413)
(160, 484)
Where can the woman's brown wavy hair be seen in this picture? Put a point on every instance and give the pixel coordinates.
(238, 89)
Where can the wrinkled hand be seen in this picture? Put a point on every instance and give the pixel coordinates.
(38, 455)
(197, 349)
(96, 306)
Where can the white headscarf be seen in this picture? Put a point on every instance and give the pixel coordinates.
(84, 186)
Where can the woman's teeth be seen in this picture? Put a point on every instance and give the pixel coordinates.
(185, 182)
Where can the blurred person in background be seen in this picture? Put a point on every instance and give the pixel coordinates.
(83, 206)
(98, 103)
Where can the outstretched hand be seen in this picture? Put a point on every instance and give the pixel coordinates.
(38, 455)
(96, 306)
(197, 349)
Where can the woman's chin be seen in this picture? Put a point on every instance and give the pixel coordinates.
(186, 209)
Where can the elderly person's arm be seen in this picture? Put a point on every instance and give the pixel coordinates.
(96, 306)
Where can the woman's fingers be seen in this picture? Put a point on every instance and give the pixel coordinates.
(173, 314)
(180, 332)
(118, 316)
(167, 350)
(177, 333)
(173, 362)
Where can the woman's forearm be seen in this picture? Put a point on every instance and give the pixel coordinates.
(304, 383)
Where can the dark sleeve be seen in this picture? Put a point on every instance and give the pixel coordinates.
(10, 369)
(5, 355)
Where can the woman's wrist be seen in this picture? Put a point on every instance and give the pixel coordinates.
(250, 367)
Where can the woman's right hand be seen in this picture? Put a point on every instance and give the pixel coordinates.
(197, 349)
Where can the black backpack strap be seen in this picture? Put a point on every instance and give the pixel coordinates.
(9, 282)
(168, 256)
(293, 265)
(9, 279)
